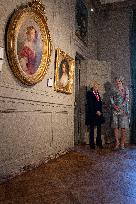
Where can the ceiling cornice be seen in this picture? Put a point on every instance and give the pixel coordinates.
(126, 4)
(110, 1)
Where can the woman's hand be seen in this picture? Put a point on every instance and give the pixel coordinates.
(116, 108)
(98, 113)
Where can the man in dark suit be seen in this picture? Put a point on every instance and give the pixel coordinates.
(94, 114)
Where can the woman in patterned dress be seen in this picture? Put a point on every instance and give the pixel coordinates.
(119, 102)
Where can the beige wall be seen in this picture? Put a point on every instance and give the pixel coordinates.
(36, 122)
(113, 41)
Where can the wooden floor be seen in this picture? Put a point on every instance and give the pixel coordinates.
(82, 176)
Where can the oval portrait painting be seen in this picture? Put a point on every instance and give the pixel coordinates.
(29, 43)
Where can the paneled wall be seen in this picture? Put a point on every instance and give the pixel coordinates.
(32, 132)
(36, 122)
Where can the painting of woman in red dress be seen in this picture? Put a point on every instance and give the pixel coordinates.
(29, 57)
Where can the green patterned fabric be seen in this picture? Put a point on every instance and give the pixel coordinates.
(133, 77)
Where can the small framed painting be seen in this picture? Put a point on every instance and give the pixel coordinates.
(64, 72)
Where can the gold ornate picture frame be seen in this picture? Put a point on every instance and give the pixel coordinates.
(29, 43)
(64, 72)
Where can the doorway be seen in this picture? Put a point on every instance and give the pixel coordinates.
(80, 99)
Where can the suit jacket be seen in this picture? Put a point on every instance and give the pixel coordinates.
(93, 105)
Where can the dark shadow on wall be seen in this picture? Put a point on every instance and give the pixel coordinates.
(133, 78)
(107, 112)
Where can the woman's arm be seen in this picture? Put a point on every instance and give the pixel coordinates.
(126, 98)
(113, 103)
(23, 63)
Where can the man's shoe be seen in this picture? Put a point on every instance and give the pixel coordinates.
(122, 147)
(100, 146)
(116, 147)
(92, 147)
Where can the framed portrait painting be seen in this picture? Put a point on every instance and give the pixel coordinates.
(64, 72)
(81, 21)
(29, 43)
